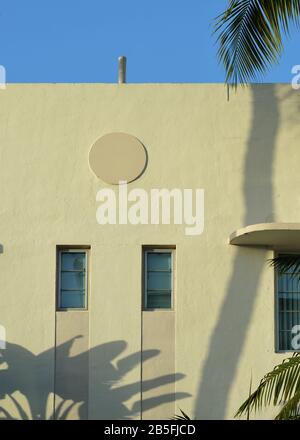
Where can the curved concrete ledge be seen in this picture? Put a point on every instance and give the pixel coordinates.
(268, 235)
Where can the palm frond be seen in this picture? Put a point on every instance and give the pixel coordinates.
(250, 392)
(287, 264)
(249, 34)
(277, 387)
(290, 411)
(183, 416)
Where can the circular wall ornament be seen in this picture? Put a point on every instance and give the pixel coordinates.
(118, 157)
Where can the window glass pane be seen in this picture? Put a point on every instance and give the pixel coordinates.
(285, 340)
(73, 261)
(291, 269)
(72, 299)
(159, 281)
(295, 283)
(159, 261)
(72, 280)
(280, 284)
(289, 301)
(287, 320)
(159, 301)
(288, 291)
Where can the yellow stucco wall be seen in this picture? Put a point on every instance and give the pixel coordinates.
(242, 152)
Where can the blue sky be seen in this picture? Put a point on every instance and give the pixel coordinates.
(80, 41)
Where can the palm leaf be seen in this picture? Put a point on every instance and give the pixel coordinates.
(280, 386)
(183, 416)
(287, 263)
(290, 411)
(249, 34)
(250, 389)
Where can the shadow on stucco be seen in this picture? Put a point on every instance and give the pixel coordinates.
(30, 376)
(229, 334)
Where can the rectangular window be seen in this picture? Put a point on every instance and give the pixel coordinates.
(288, 307)
(158, 278)
(72, 279)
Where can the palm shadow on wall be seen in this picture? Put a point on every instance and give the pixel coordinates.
(229, 334)
(32, 376)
